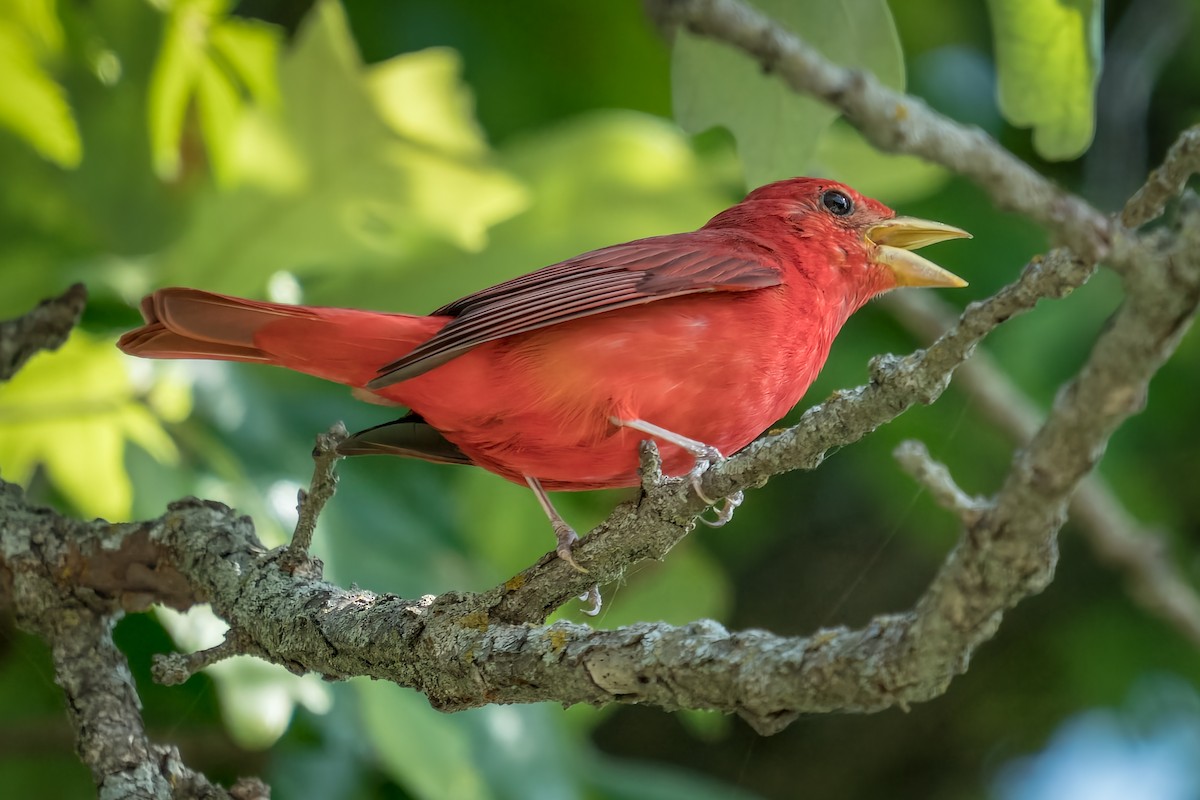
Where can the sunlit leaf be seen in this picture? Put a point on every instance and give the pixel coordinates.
(1048, 55)
(714, 85)
(596, 180)
(365, 179)
(39, 20)
(32, 104)
(218, 105)
(172, 83)
(421, 96)
(206, 62)
(72, 411)
(251, 50)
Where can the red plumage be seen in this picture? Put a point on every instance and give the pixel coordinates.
(712, 335)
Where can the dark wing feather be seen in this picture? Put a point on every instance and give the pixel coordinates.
(409, 437)
(603, 280)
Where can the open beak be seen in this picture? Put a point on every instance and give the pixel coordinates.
(895, 239)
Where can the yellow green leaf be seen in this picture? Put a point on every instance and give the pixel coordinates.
(421, 97)
(71, 412)
(206, 61)
(610, 176)
(251, 49)
(218, 105)
(1048, 55)
(379, 161)
(32, 104)
(39, 19)
(172, 83)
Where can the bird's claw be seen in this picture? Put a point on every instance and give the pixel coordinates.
(567, 537)
(725, 512)
(592, 595)
(705, 458)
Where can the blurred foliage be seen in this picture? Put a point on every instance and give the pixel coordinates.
(71, 413)
(32, 104)
(1048, 55)
(776, 129)
(398, 155)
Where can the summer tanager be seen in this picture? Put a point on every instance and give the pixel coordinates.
(698, 340)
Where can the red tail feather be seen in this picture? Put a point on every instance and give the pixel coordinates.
(334, 343)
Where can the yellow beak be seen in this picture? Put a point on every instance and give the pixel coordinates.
(893, 241)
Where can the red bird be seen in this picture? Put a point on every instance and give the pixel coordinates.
(698, 340)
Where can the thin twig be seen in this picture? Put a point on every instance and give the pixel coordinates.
(914, 457)
(309, 504)
(171, 669)
(44, 328)
(1141, 554)
(1165, 183)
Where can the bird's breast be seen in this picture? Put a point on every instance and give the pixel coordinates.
(718, 368)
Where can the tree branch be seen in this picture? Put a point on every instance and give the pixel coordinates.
(310, 503)
(892, 121)
(461, 651)
(914, 457)
(1165, 183)
(76, 618)
(44, 328)
(1155, 582)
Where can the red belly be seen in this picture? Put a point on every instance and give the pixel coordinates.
(719, 369)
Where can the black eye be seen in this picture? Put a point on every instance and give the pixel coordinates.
(837, 203)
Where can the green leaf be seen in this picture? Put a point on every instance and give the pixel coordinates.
(173, 81)
(427, 753)
(251, 51)
(1048, 55)
(218, 105)
(625, 779)
(891, 178)
(361, 166)
(257, 697)
(687, 585)
(514, 751)
(207, 62)
(32, 104)
(606, 177)
(72, 412)
(776, 129)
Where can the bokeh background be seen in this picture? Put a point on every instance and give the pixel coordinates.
(396, 155)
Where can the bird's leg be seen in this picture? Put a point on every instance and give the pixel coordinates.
(705, 455)
(566, 537)
(563, 532)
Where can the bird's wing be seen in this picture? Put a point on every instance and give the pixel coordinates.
(409, 437)
(593, 283)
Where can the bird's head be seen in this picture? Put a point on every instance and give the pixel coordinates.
(849, 233)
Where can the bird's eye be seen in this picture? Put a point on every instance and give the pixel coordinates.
(837, 203)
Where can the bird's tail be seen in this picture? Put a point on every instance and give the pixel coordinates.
(338, 344)
(188, 323)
